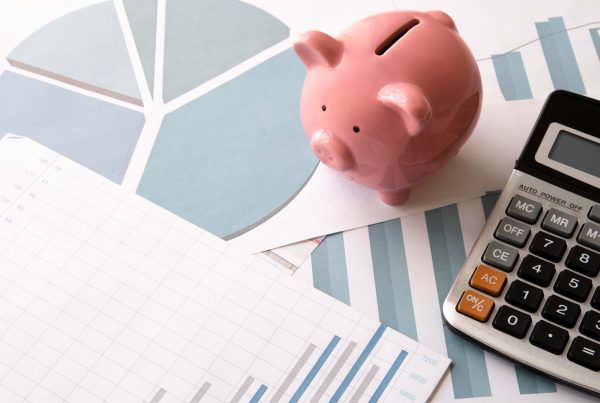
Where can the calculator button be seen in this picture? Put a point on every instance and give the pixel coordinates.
(501, 256)
(590, 325)
(548, 246)
(573, 285)
(559, 223)
(536, 270)
(524, 296)
(585, 352)
(549, 337)
(583, 260)
(561, 311)
(594, 213)
(475, 305)
(590, 235)
(488, 280)
(524, 209)
(595, 302)
(511, 321)
(512, 232)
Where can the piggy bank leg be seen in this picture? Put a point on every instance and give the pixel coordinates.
(394, 197)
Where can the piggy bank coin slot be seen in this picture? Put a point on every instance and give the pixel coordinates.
(395, 37)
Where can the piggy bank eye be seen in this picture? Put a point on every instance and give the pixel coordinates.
(356, 129)
(323, 108)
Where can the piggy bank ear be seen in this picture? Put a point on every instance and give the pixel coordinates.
(316, 48)
(442, 18)
(409, 101)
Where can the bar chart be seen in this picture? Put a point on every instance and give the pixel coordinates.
(559, 55)
(105, 296)
(403, 278)
(255, 390)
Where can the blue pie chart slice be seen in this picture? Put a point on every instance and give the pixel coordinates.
(97, 134)
(141, 15)
(85, 48)
(234, 157)
(205, 38)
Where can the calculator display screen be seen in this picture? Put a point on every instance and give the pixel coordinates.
(576, 152)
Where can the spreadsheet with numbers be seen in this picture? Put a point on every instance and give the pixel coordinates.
(107, 297)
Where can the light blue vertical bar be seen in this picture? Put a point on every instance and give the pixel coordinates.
(595, 33)
(511, 75)
(315, 369)
(531, 383)
(469, 372)
(388, 377)
(359, 362)
(329, 268)
(259, 394)
(394, 299)
(559, 55)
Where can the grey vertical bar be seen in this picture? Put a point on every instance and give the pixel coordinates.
(293, 373)
(159, 395)
(201, 392)
(243, 389)
(364, 384)
(334, 371)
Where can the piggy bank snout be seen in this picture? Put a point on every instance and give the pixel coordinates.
(332, 151)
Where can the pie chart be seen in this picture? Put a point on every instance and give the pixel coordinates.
(225, 160)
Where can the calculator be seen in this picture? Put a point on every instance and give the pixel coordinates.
(529, 289)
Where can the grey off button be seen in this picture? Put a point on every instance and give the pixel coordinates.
(590, 235)
(560, 223)
(501, 256)
(512, 232)
(524, 209)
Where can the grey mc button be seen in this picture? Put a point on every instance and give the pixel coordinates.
(590, 235)
(512, 232)
(560, 223)
(524, 209)
(501, 256)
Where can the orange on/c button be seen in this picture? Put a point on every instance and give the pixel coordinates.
(488, 280)
(475, 305)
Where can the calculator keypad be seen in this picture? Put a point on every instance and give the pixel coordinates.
(546, 283)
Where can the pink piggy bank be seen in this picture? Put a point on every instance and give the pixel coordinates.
(390, 100)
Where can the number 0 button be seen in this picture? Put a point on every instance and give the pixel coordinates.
(511, 321)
